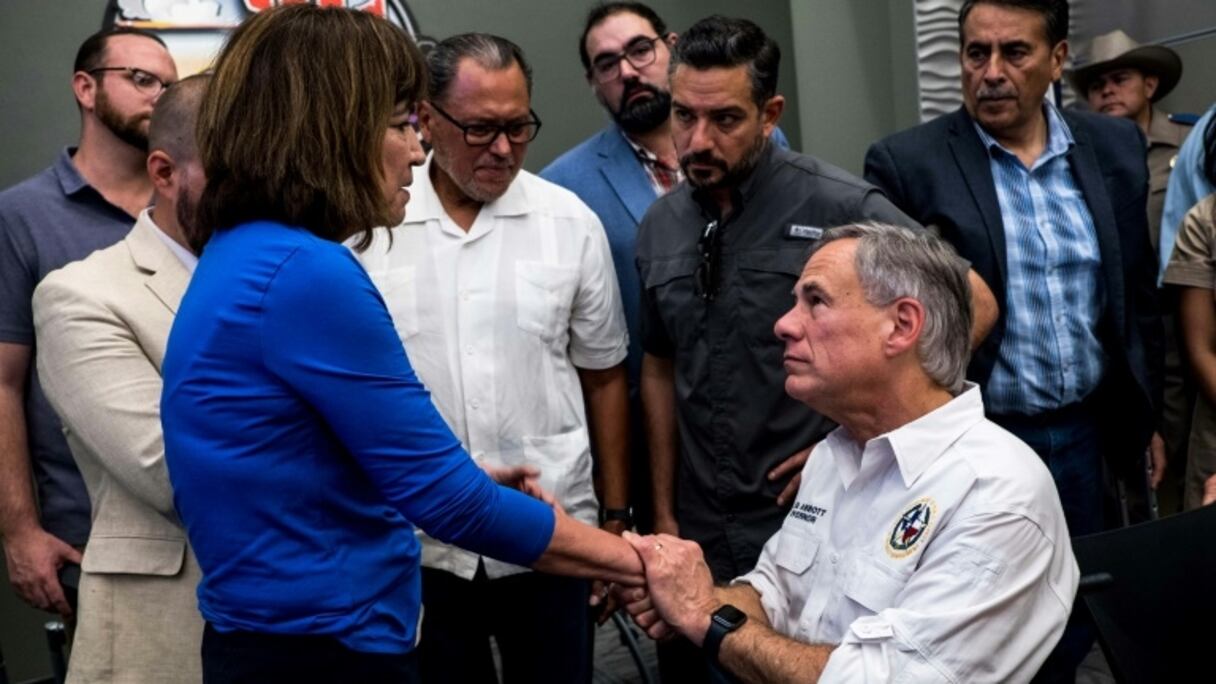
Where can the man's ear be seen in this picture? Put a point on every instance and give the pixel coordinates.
(84, 87)
(908, 320)
(1151, 81)
(163, 171)
(772, 113)
(671, 39)
(426, 119)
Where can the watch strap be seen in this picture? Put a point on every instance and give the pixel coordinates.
(725, 620)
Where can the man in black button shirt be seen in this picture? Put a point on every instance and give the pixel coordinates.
(718, 258)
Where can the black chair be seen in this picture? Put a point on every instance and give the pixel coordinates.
(1148, 589)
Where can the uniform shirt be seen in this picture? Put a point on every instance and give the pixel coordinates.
(1164, 138)
(1188, 184)
(302, 448)
(496, 322)
(1194, 265)
(735, 420)
(935, 552)
(48, 221)
(1050, 356)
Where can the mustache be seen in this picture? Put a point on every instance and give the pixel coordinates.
(994, 93)
(704, 158)
(633, 87)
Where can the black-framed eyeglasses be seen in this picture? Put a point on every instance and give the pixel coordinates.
(145, 81)
(482, 134)
(705, 278)
(640, 53)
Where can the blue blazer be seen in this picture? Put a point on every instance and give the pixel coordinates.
(939, 174)
(606, 174)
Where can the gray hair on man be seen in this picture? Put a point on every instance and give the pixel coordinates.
(487, 50)
(893, 262)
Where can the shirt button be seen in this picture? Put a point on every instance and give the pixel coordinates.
(474, 403)
(469, 350)
(464, 295)
(834, 558)
(730, 517)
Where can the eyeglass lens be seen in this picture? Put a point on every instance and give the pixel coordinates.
(639, 54)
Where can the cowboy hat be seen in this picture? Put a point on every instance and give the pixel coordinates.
(1117, 50)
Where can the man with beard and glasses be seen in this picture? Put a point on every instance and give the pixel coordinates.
(500, 285)
(1049, 207)
(625, 49)
(718, 257)
(86, 201)
(102, 325)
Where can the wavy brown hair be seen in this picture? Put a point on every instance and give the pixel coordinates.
(292, 126)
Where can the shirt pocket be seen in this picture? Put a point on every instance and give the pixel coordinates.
(544, 295)
(399, 287)
(562, 460)
(796, 551)
(873, 586)
(669, 283)
(766, 285)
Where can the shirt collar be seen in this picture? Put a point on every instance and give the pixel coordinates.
(70, 180)
(915, 445)
(185, 256)
(1059, 137)
(424, 204)
(1161, 131)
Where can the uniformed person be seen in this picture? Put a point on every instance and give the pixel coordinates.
(1120, 77)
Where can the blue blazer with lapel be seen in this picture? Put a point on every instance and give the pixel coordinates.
(939, 174)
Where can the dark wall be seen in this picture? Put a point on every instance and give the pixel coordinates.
(38, 115)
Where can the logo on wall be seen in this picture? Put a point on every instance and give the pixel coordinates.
(195, 30)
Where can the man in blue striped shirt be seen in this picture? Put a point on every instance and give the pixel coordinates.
(1050, 208)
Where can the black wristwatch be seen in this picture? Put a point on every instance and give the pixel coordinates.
(724, 621)
(625, 515)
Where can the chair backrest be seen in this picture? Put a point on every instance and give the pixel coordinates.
(1156, 612)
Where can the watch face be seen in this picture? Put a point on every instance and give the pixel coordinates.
(729, 616)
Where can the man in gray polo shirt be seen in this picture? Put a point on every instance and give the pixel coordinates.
(85, 201)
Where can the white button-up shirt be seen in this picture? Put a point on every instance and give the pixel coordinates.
(496, 321)
(935, 553)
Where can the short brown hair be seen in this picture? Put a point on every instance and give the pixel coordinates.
(292, 126)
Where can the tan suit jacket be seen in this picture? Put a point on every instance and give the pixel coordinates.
(102, 324)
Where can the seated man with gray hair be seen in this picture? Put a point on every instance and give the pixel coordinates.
(926, 543)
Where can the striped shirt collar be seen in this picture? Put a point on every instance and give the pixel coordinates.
(1059, 138)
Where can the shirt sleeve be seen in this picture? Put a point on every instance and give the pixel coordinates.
(327, 334)
(95, 371)
(1193, 263)
(18, 276)
(988, 603)
(598, 338)
(876, 207)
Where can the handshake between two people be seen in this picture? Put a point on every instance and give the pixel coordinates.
(661, 580)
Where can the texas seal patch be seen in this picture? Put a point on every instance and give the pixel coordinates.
(911, 527)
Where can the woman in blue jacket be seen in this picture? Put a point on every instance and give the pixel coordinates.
(301, 447)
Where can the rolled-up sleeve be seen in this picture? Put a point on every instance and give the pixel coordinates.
(598, 338)
(1193, 263)
(338, 349)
